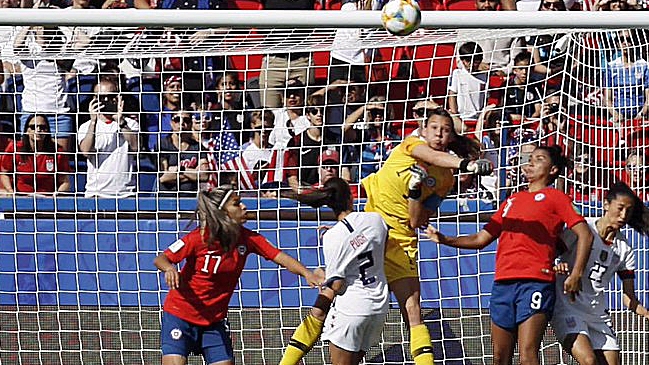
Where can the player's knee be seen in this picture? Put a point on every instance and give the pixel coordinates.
(584, 357)
(529, 356)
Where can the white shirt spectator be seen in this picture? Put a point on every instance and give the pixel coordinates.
(345, 37)
(471, 90)
(285, 129)
(110, 166)
(44, 87)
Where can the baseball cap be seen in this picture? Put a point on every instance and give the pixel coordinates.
(171, 79)
(329, 157)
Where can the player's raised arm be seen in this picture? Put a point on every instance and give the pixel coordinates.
(476, 241)
(296, 267)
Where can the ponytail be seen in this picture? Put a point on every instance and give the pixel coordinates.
(335, 194)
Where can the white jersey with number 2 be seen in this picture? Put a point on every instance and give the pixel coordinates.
(606, 259)
(354, 250)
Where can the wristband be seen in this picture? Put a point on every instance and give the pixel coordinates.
(464, 165)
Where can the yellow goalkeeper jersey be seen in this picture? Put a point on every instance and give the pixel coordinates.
(387, 189)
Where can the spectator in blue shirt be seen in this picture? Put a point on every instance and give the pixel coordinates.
(627, 81)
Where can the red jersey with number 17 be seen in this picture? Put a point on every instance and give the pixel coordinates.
(209, 276)
(529, 225)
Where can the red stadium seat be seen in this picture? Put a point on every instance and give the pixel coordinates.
(459, 5)
(245, 5)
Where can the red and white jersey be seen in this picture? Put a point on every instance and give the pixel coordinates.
(31, 176)
(528, 225)
(209, 276)
(354, 250)
(606, 258)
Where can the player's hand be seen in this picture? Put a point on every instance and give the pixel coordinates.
(572, 286)
(93, 108)
(172, 278)
(417, 175)
(312, 279)
(320, 274)
(561, 268)
(434, 235)
(480, 167)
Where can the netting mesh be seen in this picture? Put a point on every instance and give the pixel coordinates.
(77, 283)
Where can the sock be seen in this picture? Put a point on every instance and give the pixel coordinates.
(306, 334)
(420, 345)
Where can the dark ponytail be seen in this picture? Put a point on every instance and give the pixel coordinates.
(335, 194)
(640, 215)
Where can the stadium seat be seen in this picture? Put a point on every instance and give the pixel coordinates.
(245, 5)
(333, 4)
(459, 5)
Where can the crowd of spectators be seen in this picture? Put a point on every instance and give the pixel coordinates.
(192, 122)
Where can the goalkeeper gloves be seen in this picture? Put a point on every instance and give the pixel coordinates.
(417, 175)
(480, 167)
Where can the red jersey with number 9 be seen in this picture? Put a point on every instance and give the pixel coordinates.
(209, 276)
(528, 226)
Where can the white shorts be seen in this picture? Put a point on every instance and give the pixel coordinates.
(601, 334)
(353, 333)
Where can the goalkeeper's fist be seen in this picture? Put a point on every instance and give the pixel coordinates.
(417, 175)
(480, 167)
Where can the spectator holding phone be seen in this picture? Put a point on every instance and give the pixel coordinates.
(109, 141)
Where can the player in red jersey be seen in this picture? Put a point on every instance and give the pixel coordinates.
(196, 308)
(528, 227)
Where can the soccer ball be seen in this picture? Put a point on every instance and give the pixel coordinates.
(401, 17)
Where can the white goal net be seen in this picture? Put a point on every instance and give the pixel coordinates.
(77, 280)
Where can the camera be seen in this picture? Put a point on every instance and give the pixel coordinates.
(376, 112)
(554, 108)
(109, 102)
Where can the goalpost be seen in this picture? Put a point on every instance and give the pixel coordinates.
(77, 281)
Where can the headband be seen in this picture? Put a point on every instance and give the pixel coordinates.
(225, 198)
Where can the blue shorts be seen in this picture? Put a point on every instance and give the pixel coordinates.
(179, 337)
(513, 302)
(60, 124)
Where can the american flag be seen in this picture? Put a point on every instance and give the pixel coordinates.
(246, 178)
(223, 147)
(228, 146)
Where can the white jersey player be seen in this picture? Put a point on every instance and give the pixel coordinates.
(354, 252)
(583, 324)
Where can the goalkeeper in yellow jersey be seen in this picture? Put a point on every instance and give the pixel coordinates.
(405, 192)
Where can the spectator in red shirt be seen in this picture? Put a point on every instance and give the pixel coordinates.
(528, 227)
(196, 308)
(32, 165)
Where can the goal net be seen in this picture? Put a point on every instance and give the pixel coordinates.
(77, 280)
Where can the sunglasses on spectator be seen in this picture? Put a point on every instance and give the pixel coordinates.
(554, 5)
(178, 119)
(314, 111)
(329, 166)
(42, 127)
(634, 167)
(205, 117)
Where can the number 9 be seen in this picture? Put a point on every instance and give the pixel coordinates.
(536, 300)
